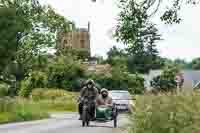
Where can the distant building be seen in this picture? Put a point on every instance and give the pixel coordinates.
(191, 79)
(78, 39)
(98, 68)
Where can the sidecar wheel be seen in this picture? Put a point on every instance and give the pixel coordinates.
(87, 123)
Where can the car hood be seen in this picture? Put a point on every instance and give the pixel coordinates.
(121, 102)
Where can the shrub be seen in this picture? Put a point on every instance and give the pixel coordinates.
(136, 84)
(166, 114)
(25, 89)
(118, 80)
(78, 84)
(63, 72)
(35, 79)
(166, 81)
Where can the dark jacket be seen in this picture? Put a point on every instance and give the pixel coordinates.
(91, 93)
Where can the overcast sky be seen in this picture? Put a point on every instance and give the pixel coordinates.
(180, 41)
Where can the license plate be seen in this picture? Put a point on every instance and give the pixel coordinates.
(122, 107)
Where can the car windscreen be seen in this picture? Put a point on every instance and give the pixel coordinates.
(120, 95)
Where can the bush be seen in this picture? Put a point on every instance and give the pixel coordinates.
(35, 79)
(4, 88)
(136, 84)
(25, 89)
(63, 72)
(166, 114)
(119, 80)
(166, 81)
(78, 84)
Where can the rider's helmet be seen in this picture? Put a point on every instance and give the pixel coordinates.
(90, 83)
(104, 93)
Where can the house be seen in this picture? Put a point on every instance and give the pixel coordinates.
(98, 68)
(191, 79)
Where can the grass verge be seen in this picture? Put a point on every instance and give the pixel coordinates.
(58, 105)
(20, 110)
(166, 114)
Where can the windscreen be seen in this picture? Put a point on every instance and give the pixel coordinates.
(119, 95)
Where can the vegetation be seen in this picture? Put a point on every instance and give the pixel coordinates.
(8, 43)
(4, 89)
(20, 110)
(63, 72)
(166, 81)
(196, 64)
(52, 94)
(172, 9)
(55, 100)
(140, 35)
(165, 114)
(29, 30)
(41, 103)
(32, 32)
(59, 105)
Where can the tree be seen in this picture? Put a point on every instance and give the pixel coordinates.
(142, 64)
(171, 13)
(140, 35)
(196, 64)
(63, 71)
(117, 57)
(182, 64)
(9, 27)
(114, 51)
(40, 24)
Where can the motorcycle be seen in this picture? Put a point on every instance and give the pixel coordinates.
(102, 113)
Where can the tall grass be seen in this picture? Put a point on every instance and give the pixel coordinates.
(19, 109)
(55, 99)
(12, 110)
(58, 105)
(166, 114)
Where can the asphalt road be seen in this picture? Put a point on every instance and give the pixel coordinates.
(63, 123)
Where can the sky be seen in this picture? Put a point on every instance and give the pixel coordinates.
(179, 41)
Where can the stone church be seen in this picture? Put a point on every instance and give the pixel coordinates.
(78, 39)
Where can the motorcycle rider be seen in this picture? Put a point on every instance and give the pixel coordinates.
(91, 92)
(104, 99)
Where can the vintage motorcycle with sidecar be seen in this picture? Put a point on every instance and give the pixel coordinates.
(102, 113)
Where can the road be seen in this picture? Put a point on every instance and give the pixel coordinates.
(62, 123)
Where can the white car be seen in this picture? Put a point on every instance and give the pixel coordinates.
(122, 99)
